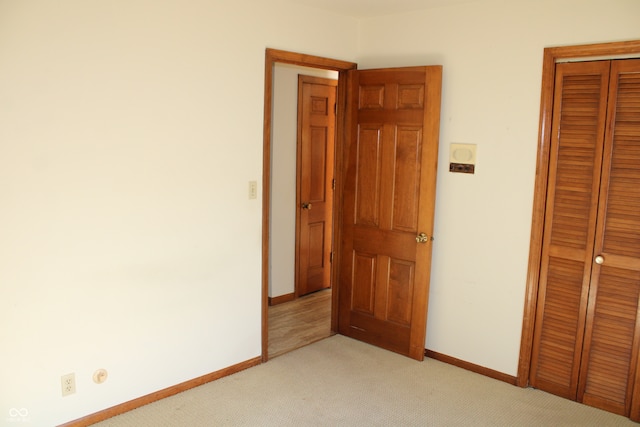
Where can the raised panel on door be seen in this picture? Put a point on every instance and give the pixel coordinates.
(389, 196)
(580, 103)
(612, 332)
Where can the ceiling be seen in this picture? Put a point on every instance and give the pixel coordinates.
(368, 8)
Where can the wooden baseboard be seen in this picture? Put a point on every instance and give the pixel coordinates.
(471, 367)
(282, 298)
(158, 395)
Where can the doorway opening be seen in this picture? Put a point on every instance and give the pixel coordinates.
(272, 58)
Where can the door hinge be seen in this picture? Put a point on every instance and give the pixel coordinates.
(331, 257)
(333, 184)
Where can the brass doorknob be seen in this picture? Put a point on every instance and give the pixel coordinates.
(422, 238)
(599, 259)
(306, 205)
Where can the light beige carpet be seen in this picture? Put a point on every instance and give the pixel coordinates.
(342, 382)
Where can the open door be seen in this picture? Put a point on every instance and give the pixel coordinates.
(388, 206)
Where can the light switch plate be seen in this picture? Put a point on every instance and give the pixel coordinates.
(253, 189)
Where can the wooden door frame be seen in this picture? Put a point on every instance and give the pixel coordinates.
(551, 57)
(273, 56)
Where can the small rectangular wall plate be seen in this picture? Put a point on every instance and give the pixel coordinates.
(462, 153)
(462, 168)
(462, 158)
(253, 189)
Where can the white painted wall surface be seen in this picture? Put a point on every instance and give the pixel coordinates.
(283, 174)
(492, 56)
(129, 131)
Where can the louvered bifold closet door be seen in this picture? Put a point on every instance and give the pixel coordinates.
(578, 125)
(612, 332)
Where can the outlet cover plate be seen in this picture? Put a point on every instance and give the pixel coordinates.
(68, 384)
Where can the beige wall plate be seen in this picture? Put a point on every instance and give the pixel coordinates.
(100, 376)
(462, 154)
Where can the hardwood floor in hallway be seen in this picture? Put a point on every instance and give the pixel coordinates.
(299, 322)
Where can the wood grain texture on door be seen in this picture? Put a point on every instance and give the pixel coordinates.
(315, 166)
(576, 155)
(389, 197)
(587, 330)
(612, 332)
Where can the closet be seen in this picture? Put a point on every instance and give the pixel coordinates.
(587, 328)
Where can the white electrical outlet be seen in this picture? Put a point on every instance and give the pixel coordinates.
(68, 383)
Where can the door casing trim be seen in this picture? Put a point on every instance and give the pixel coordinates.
(551, 56)
(342, 67)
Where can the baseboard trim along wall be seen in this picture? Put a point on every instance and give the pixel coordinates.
(179, 388)
(159, 395)
(282, 298)
(471, 367)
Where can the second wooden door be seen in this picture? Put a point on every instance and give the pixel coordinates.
(316, 146)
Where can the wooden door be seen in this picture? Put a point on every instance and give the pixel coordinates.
(316, 146)
(388, 201)
(580, 105)
(612, 334)
(587, 335)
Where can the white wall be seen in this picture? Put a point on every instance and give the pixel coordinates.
(492, 56)
(129, 130)
(283, 174)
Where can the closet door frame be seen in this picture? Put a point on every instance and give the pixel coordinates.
(552, 55)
